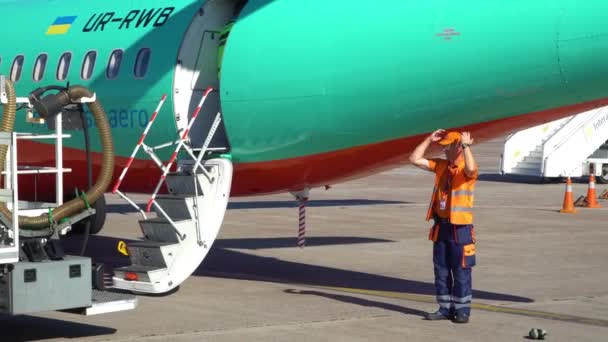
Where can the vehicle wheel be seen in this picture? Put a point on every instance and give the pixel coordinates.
(603, 179)
(97, 220)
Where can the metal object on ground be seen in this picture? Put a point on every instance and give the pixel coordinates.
(537, 334)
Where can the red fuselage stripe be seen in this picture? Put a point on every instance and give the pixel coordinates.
(279, 175)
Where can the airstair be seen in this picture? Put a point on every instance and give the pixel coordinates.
(562, 148)
(187, 220)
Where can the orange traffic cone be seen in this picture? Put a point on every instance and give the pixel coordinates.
(568, 207)
(604, 195)
(591, 196)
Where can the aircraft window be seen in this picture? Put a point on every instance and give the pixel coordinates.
(114, 64)
(40, 67)
(88, 65)
(142, 62)
(64, 66)
(16, 68)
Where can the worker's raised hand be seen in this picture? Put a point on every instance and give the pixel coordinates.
(437, 135)
(465, 138)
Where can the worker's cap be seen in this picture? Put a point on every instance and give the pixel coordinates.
(450, 138)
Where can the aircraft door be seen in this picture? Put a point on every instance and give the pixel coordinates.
(206, 75)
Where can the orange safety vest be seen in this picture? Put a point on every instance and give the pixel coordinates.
(463, 194)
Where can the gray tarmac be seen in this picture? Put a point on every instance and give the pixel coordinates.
(366, 272)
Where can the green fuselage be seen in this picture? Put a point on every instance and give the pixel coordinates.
(303, 78)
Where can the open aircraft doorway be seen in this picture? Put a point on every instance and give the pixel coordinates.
(198, 68)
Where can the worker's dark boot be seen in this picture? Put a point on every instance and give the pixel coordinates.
(436, 316)
(460, 318)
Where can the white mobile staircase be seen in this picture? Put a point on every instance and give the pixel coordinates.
(557, 149)
(188, 218)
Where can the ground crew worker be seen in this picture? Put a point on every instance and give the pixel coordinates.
(452, 234)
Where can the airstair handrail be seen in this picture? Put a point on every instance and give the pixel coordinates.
(180, 145)
(583, 118)
(518, 145)
(139, 144)
(567, 153)
(512, 148)
(568, 120)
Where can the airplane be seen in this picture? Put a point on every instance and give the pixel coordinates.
(311, 93)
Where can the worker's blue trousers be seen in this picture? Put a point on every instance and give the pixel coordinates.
(453, 259)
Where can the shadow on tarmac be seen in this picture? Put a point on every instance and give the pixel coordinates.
(126, 208)
(360, 301)
(312, 204)
(222, 262)
(257, 243)
(30, 328)
(521, 179)
(498, 178)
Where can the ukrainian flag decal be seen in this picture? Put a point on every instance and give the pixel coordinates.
(61, 25)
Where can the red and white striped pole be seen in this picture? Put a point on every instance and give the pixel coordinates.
(139, 143)
(179, 146)
(302, 223)
(302, 198)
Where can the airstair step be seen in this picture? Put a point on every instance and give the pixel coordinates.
(534, 164)
(138, 269)
(536, 154)
(183, 251)
(180, 183)
(108, 301)
(176, 206)
(148, 253)
(526, 171)
(160, 229)
(149, 244)
(143, 273)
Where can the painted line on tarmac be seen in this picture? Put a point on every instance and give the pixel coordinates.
(478, 306)
(418, 298)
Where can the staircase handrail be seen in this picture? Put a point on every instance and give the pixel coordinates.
(518, 145)
(583, 118)
(568, 153)
(180, 145)
(139, 144)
